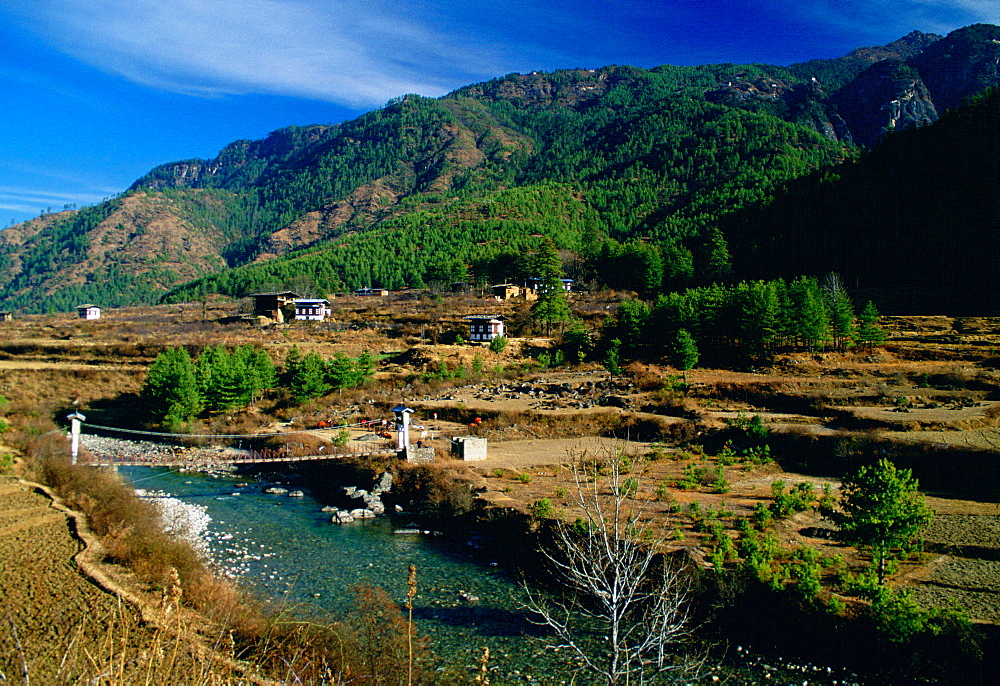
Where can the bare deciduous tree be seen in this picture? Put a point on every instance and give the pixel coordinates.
(626, 612)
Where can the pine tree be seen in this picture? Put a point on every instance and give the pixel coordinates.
(758, 316)
(841, 311)
(882, 511)
(552, 305)
(869, 332)
(613, 358)
(809, 317)
(342, 372)
(260, 371)
(717, 261)
(578, 342)
(685, 351)
(307, 378)
(171, 388)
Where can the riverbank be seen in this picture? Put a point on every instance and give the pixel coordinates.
(72, 618)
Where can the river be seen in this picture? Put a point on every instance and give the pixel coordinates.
(287, 550)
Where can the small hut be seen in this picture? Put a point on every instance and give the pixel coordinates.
(88, 311)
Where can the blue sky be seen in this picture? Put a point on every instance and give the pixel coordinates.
(97, 92)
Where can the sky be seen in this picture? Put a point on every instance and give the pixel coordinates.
(98, 92)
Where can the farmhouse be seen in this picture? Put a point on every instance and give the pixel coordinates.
(312, 309)
(536, 286)
(369, 291)
(485, 327)
(507, 291)
(6, 316)
(274, 305)
(88, 311)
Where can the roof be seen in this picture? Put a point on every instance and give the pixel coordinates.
(85, 307)
(274, 293)
(312, 301)
(489, 317)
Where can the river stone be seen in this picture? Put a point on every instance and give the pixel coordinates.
(274, 490)
(296, 494)
(328, 508)
(362, 513)
(342, 517)
(384, 483)
(350, 490)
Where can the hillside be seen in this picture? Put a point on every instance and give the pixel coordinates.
(591, 158)
(916, 221)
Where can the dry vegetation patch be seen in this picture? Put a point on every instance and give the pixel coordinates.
(539, 424)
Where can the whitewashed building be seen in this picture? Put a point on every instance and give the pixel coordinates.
(88, 311)
(485, 327)
(312, 309)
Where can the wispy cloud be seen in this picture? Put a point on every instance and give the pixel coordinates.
(23, 202)
(357, 52)
(362, 52)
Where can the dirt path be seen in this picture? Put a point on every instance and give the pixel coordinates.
(62, 366)
(521, 455)
(58, 625)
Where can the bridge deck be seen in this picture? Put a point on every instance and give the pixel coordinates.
(165, 461)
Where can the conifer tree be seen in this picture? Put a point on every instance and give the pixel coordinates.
(685, 351)
(758, 324)
(869, 332)
(882, 511)
(552, 305)
(809, 317)
(308, 380)
(342, 372)
(171, 388)
(578, 342)
(841, 311)
(717, 261)
(613, 358)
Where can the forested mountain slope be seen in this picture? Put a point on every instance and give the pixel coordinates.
(637, 165)
(919, 214)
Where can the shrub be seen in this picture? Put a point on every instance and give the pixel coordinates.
(524, 478)
(542, 508)
(498, 345)
(629, 487)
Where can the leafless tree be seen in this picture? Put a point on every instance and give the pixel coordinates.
(626, 613)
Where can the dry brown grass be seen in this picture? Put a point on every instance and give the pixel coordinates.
(273, 645)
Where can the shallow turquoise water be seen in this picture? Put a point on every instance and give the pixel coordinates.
(290, 552)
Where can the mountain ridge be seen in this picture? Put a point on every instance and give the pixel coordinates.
(659, 154)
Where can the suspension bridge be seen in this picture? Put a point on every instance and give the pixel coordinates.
(107, 446)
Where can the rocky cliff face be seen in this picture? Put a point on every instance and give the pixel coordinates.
(962, 64)
(888, 96)
(239, 162)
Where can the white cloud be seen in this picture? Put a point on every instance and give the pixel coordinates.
(356, 52)
(362, 52)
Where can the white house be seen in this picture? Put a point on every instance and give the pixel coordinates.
(312, 309)
(88, 311)
(485, 327)
(535, 284)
